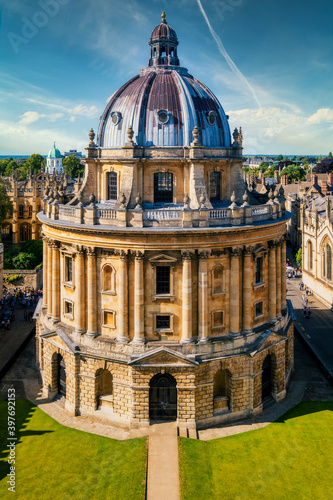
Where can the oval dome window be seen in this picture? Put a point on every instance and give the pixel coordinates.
(211, 118)
(163, 116)
(115, 117)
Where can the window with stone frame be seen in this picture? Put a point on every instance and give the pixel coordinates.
(328, 262)
(68, 308)
(310, 255)
(215, 186)
(21, 211)
(218, 279)
(163, 187)
(108, 278)
(68, 269)
(109, 319)
(162, 280)
(30, 211)
(112, 178)
(259, 270)
(163, 323)
(259, 309)
(218, 319)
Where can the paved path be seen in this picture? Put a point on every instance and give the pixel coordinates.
(317, 331)
(163, 470)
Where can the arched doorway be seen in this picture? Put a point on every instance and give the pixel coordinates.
(266, 378)
(61, 376)
(163, 398)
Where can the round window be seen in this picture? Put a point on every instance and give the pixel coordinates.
(163, 116)
(211, 118)
(115, 117)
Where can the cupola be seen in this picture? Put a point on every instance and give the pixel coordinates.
(163, 43)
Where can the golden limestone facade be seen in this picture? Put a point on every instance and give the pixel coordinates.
(164, 287)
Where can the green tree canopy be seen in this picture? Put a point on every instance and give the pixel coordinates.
(73, 166)
(299, 257)
(294, 173)
(279, 158)
(330, 154)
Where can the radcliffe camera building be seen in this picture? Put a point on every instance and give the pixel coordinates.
(164, 282)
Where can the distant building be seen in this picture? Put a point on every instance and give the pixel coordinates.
(73, 152)
(323, 167)
(54, 161)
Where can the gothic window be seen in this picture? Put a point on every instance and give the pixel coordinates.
(21, 211)
(328, 262)
(112, 186)
(162, 280)
(215, 186)
(163, 187)
(25, 232)
(30, 211)
(310, 257)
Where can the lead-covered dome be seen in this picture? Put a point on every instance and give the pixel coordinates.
(163, 104)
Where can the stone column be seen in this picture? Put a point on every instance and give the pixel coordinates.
(91, 293)
(48, 291)
(187, 298)
(139, 302)
(80, 299)
(283, 274)
(278, 280)
(123, 297)
(272, 280)
(234, 310)
(55, 282)
(248, 289)
(203, 296)
(45, 270)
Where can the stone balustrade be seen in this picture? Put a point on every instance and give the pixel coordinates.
(164, 217)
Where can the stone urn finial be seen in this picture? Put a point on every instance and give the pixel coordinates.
(91, 138)
(92, 199)
(245, 198)
(202, 200)
(276, 194)
(138, 201)
(196, 135)
(122, 200)
(130, 134)
(186, 201)
(233, 200)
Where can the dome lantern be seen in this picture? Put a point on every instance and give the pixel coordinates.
(163, 43)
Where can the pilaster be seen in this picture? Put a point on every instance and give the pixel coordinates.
(187, 336)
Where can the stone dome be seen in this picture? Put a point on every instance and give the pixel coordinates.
(163, 104)
(54, 153)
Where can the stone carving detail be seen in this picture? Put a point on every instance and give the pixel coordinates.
(138, 254)
(187, 255)
(196, 135)
(122, 254)
(203, 254)
(219, 253)
(91, 138)
(80, 249)
(248, 250)
(91, 251)
(236, 251)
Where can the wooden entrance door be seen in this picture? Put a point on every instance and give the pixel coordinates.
(163, 398)
(61, 376)
(266, 378)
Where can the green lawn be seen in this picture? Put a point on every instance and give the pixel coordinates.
(56, 462)
(291, 458)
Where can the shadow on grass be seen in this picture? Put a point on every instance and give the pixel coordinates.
(305, 408)
(24, 410)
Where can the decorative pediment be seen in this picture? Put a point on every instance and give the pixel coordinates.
(162, 259)
(163, 357)
(266, 340)
(60, 338)
(67, 249)
(259, 250)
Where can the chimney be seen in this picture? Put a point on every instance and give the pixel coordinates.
(314, 179)
(324, 187)
(330, 179)
(276, 176)
(284, 180)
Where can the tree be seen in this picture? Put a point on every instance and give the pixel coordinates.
(269, 173)
(294, 173)
(320, 158)
(25, 261)
(279, 158)
(6, 206)
(73, 166)
(299, 257)
(330, 154)
(35, 162)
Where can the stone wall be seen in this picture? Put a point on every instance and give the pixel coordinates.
(29, 279)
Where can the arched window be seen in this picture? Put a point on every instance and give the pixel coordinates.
(323, 263)
(218, 278)
(163, 51)
(328, 262)
(112, 186)
(163, 187)
(25, 232)
(310, 258)
(215, 186)
(108, 279)
(103, 389)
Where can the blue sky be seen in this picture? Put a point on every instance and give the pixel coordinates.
(62, 59)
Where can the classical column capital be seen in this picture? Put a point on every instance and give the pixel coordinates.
(53, 243)
(122, 254)
(187, 254)
(273, 244)
(248, 250)
(236, 251)
(218, 253)
(203, 254)
(91, 251)
(80, 249)
(138, 254)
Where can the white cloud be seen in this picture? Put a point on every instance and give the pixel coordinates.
(30, 117)
(80, 109)
(321, 115)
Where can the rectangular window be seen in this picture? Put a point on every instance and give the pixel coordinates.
(162, 280)
(68, 308)
(21, 211)
(30, 211)
(218, 318)
(112, 186)
(214, 186)
(259, 269)
(259, 309)
(68, 269)
(163, 322)
(109, 318)
(163, 187)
